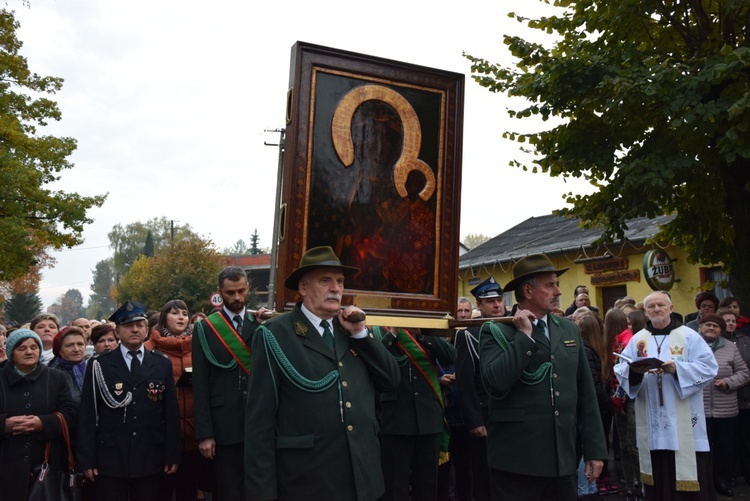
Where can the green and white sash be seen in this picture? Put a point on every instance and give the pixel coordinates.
(225, 332)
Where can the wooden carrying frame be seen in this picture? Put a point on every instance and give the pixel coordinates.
(372, 168)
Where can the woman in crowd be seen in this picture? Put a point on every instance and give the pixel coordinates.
(46, 325)
(733, 303)
(104, 338)
(30, 394)
(616, 321)
(172, 336)
(69, 347)
(720, 401)
(597, 356)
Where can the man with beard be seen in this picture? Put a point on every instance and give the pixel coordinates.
(473, 397)
(537, 371)
(669, 366)
(311, 430)
(221, 368)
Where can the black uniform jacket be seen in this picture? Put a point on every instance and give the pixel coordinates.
(139, 439)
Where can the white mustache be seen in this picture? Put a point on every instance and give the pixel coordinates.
(337, 297)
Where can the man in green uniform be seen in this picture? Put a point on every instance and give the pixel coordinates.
(311, 431)
(537, 374)
(221, 365)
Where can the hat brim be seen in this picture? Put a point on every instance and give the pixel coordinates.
(511, 286)
(292, 281)
(132, 319)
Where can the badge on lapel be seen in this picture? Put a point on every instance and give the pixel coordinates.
(118, 389)
(569, 343)
(300, 328)
(156, 390)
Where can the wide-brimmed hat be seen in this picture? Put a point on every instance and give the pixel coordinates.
(528, 266)
(317, 257)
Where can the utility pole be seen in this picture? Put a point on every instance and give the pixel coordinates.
(275, 237)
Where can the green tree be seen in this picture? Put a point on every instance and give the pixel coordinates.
(22, 307)
(473, 240)
(185, 270)
(148, 248)
(127, 241)
(649, 102)
(33, 217)
(239, 247)
(101, 302)
(255, 243)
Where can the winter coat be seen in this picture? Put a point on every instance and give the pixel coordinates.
(179, 349)
(720, 403)
(42, 392)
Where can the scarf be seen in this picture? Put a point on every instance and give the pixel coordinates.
(77, 368)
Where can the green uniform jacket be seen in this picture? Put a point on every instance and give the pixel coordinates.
(218, 393)
(414, 409)
(528, 433)
(297, 446)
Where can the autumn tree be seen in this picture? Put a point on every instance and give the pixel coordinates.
(33, 216)
(185, 270)
(71, 306)
(649, 102)
(473, 240)
(129, 242)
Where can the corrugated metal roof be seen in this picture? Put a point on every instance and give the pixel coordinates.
(551, 234)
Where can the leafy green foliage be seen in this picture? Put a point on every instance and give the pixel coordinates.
(22, 307)
(129, 242)
(33, 216)
(71, 306)
(184, 270)
(650, 102)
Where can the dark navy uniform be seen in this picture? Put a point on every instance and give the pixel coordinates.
(133, 441)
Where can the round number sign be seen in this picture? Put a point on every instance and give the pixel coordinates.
(216, 300)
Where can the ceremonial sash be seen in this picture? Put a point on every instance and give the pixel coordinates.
(429, 371)
(686, 470)
(230, 338)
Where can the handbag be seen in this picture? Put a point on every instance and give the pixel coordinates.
(50, 484)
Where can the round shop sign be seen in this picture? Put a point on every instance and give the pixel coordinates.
(658, 270)
(216, 300)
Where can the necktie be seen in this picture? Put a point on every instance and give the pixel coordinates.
(135, 364)
(542, 325)
(327, 333)
(238, 322)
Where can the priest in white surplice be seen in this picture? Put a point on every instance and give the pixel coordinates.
(670, 424)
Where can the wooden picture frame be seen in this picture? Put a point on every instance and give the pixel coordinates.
(372, 168)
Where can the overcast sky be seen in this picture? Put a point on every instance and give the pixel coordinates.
(169, 101)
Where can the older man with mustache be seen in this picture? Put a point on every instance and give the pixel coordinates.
(311, 430)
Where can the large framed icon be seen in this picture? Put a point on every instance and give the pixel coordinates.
(372, 168)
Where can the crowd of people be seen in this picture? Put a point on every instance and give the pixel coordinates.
(312, 404)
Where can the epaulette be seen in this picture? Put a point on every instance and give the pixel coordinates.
(157, 352)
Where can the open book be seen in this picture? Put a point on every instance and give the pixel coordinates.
(649, 363)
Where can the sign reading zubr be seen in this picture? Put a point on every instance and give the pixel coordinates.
(658, 270)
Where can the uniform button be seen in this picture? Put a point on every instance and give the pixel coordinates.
(27, 445)
(557, 393)
(414, 378)
(26, 394)
(341, 364)
(529, 353)
(350, 428)
(551, 357)
(390, 343)
(244, 392)
(416, 393)
(26, 459)
(557, 413)
(27, 406)
(348, 405)
(554, 375)
(244, 378)
(135, 433)
(344, 384)
(135, 417)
